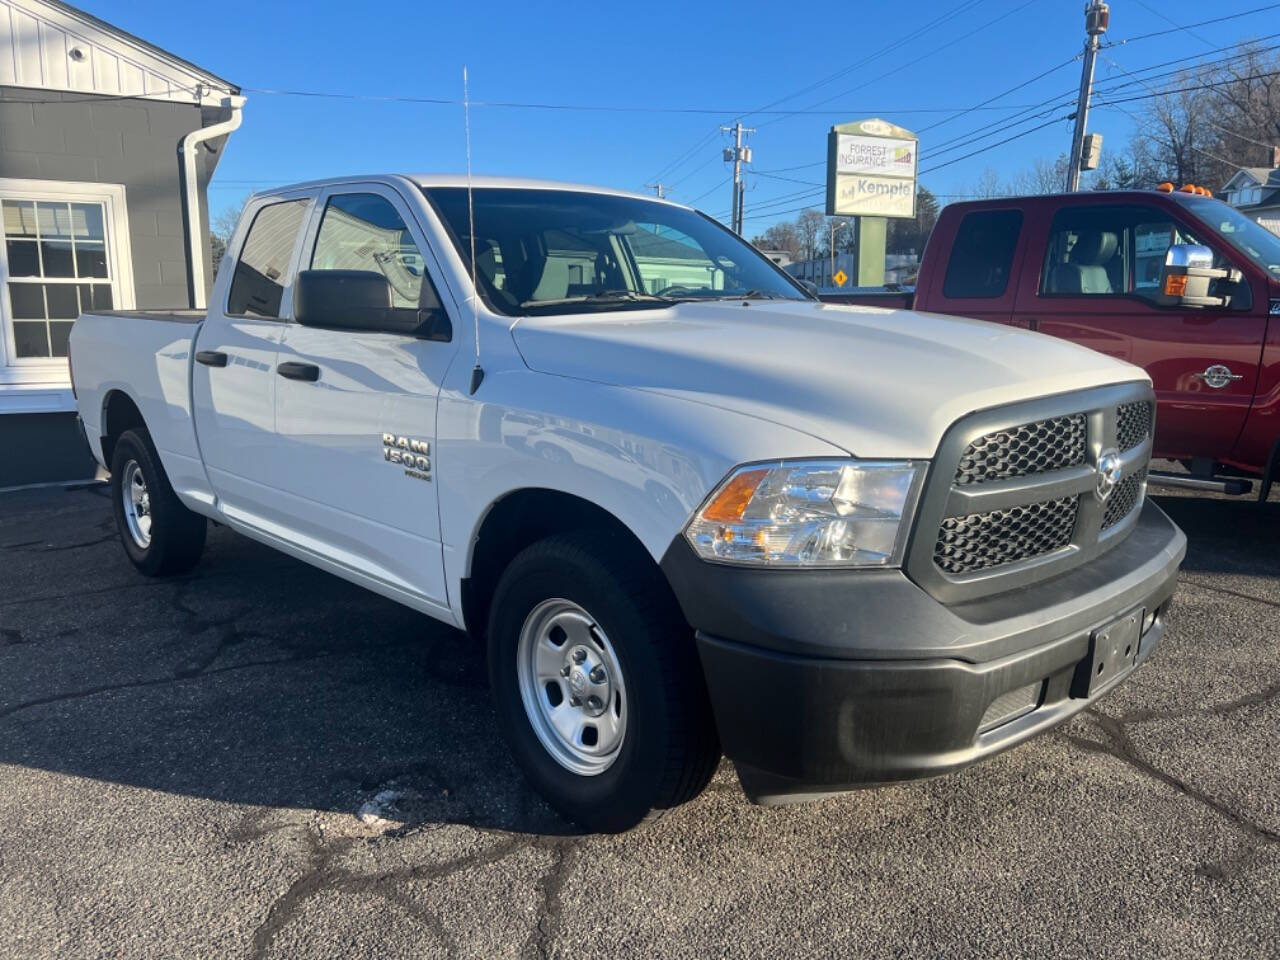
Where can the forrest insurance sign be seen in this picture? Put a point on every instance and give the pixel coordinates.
(871, 170)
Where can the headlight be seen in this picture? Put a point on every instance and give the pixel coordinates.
(813, 513)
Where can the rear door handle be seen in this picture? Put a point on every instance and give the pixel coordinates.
(307, 372)
(212, 358)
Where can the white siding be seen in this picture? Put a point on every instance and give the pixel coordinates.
(49, 48)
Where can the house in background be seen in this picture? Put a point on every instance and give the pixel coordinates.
(107, 145)
(1255, 192)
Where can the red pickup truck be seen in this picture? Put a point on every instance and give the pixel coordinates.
(1092, 268)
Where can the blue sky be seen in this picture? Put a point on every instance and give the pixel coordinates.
(726, 58)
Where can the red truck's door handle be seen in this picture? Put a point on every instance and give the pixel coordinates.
(212, 358)
(307, 372)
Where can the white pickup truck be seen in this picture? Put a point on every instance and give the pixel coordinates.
(688, 508)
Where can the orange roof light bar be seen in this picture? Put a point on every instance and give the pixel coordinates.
(1165, 187)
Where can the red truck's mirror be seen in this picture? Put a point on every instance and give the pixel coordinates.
(1189, 275)
(361, 300)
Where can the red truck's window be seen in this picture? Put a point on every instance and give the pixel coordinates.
(982, 255)
(262, 270)
(1101, 251)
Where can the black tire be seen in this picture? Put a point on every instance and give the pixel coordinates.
(176, 534)
(669, 749)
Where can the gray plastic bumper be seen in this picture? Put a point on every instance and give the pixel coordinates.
(826, 681)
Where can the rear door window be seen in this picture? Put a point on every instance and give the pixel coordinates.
(982, 255)
(263, 267)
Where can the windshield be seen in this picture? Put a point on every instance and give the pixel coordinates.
(1248, 236)
(559, 251)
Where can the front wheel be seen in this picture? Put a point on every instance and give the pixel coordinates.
(597, 683)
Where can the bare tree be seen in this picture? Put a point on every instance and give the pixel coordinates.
(988, 185)
(221, 226)
(781, 236)
(811, 226)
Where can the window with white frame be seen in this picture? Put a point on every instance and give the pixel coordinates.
(62, 252)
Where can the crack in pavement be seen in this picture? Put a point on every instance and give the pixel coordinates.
(1229, 592)
(550, 887)
(322, 876)
(1121, 747)
(186, 677)
(1257, 698)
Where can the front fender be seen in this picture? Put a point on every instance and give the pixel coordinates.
(647, 459)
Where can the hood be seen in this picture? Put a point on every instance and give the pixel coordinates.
(877, 383)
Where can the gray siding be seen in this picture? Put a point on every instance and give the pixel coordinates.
(82, 137)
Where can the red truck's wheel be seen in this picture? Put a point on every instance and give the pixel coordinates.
(597, 683)
(159, 534)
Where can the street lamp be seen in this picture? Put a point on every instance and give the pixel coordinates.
(831, 243)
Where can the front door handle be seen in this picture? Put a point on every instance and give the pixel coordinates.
(1217, 375)
(307, 372)
(212, 358)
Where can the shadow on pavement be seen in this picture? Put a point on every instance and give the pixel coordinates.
(259, 680)
(1227, 535)
(254, 680)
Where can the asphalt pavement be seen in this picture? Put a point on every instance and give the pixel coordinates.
(184, 765)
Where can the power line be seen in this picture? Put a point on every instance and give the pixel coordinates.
(964, 6)
(1194, 87)
(898, 69)
(1192, 26)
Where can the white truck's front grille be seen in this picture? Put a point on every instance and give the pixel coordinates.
(1014, 494)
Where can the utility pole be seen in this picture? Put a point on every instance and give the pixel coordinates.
(1096, 16)
(657, 188)
(739, 155)
(831, 244)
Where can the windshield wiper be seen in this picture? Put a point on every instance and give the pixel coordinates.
(751, 295)
(602, 296)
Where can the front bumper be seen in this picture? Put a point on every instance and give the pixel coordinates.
(823, 681)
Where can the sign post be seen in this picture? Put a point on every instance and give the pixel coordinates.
(871, 175)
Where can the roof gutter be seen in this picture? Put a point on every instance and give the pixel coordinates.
(188, 148)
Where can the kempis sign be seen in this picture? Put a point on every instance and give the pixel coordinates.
(871, 170)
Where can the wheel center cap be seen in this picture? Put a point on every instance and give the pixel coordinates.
(578, 682)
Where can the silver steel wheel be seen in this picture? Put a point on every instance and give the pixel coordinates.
(137, 504)
(572, 687)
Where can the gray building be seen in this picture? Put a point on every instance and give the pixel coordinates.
(1255, 191)
(107, 144)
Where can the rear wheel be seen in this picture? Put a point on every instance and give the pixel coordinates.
(160, 535)
(597, 683)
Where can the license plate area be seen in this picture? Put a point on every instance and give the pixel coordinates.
(1113, 650)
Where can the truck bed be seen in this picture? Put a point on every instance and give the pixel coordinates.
(172, 316)
(114, 354)
(889, 299)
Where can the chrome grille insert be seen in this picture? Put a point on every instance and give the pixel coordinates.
(982, 540)
(1133, 424)
(1126, 496)
(1029, 448)
(1013, 495)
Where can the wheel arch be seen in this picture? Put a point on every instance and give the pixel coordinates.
(520, 518)
(120, 412)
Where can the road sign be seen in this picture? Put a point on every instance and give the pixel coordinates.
(871, 170)
(840, 278)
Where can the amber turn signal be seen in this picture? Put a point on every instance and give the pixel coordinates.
(731, 501)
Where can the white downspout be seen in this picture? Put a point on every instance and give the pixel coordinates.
(187, 149)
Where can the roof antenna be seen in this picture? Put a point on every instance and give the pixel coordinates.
(477, 372)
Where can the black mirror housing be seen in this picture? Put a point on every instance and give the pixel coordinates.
(361, 300)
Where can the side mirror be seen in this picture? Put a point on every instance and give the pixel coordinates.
(361, 300)
(1188, 275)
(810, 286)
